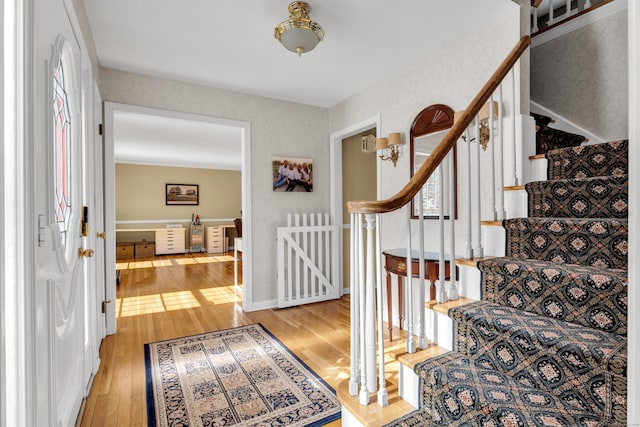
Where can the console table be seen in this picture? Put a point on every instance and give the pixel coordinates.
(395, 262)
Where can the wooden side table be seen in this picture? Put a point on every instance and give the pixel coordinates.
(395, 262)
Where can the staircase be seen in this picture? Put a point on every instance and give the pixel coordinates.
(546, 344)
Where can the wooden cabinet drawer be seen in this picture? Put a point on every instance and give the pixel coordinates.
(124, 251)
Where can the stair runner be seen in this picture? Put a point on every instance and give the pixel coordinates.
(547, 343)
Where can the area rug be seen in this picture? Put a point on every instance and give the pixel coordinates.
(241, 376)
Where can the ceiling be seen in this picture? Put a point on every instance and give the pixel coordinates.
(229, 44)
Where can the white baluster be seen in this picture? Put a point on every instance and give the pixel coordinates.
(370, 289)
(422, 334)
(513, 121)
(355, 316)
(568, 11)
(551, 11)
(493, 159)
(534, 27)
(441, 294)
(469, 251)
(587, 4)
(501, 154)
(411, 342)
(364, 393)
(383, 396)
(477, 251)
(453, 288)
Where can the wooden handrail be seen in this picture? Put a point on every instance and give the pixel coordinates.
(414, 185)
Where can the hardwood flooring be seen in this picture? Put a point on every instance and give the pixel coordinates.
(168, 297)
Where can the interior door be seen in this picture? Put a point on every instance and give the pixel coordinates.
(61, 195)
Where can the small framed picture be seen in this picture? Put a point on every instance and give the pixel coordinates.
(292, 174)
(182, 194)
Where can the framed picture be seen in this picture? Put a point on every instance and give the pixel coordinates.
(182, 194)
(292, 174)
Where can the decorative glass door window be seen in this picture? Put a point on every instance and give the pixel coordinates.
(62, 152)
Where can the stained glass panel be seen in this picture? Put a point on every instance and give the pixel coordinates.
(62, 152)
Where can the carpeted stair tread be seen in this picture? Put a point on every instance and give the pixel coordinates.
(597, 242)
(593, 197)
(548, 138)
(589, 296)
(581, 364)
(457, 390)
(609, 158)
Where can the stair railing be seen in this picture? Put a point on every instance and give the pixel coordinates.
(366, 289)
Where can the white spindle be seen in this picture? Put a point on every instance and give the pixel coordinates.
(441, 295)
(290, 261)
(422, 334)
(568, 11)
(493, 159)
(587, 4)
(551, 18)
(477, 250)
(305, 242)
(469, 249)
(370, 318)
(355, 316)
(534, 28)
(453, 293)
(501, 153)
(411, 342)
(364, 392)
(383, 396)
(513, 121)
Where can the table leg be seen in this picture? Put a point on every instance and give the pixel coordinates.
(400, 312)
(389, 309)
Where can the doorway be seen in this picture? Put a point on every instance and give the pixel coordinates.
(236, 132)
(338, 196)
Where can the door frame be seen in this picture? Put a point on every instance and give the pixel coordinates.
(335, 172)
(110, 109)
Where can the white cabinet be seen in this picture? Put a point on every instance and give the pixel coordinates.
(170, 241)
(216, 240)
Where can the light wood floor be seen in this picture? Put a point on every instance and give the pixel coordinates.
(191, 295)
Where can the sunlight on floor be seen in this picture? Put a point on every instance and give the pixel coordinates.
(219, 295)
(156, 303)
(130, 265)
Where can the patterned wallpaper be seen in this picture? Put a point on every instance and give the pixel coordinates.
(583, 76)
(277, 128)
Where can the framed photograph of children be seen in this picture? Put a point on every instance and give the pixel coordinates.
(182, 194)
(292, 174)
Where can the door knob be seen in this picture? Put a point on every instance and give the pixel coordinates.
(85, 252)
(101, 235)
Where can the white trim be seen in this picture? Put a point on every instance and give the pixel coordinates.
(564, 124)
(111, 108)
(581, 21)
(180, 220)
(633, 375)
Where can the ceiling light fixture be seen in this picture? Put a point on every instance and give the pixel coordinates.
(299, 33)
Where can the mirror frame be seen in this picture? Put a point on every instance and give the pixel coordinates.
(435, 118)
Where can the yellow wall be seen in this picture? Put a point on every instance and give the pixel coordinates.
(140, 195)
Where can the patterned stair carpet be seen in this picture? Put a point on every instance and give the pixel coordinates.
(547, 343)
(241, 376)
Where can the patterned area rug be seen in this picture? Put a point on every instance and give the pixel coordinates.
(241, 376)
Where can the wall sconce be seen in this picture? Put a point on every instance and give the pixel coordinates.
(483, 117)
(391, 143)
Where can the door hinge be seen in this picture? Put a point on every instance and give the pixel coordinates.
(100, 129)
(104, 305)
(40, 230)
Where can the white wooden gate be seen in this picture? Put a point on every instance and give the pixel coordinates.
(308, 260)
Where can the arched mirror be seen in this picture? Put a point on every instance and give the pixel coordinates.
(427, 130)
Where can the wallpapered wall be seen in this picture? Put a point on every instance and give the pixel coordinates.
(451, 76)
(583, 76)
(278, 128)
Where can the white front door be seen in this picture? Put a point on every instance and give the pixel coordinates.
(61, 193)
